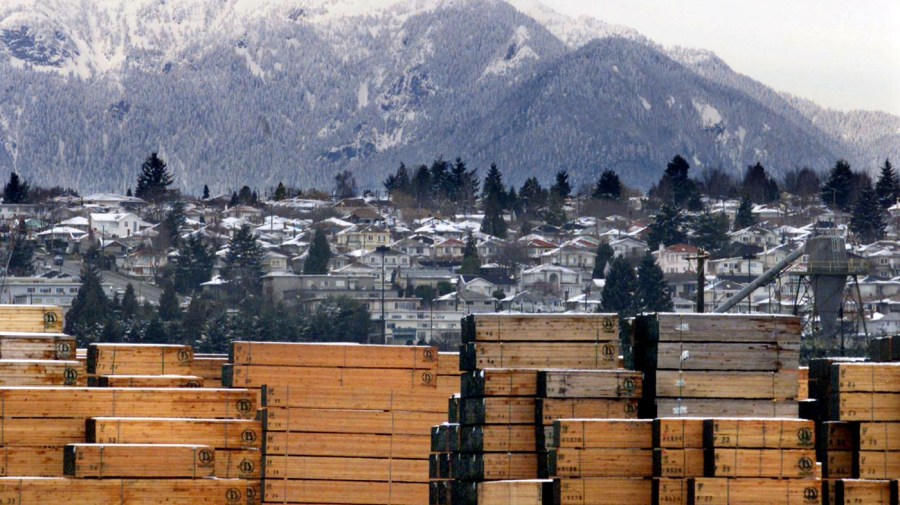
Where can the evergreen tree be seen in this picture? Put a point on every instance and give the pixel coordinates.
(493, 187)
(441, 186)
(319, 254)
(562, 188)
(234, 199)
(710, 232)
(652, 290)
(532, 196)
(171, 224)
(604, 254)
(130, 306)
(193, 324)
(169, 309)
(675, 187)
(242, 268)
(339, 319)
(21, 257)
(867, 221)
(744, 217)
(16, 190)
(619, 289)
(280, 192)
(154, 179)
(667, 228)
(421, 184)
(205, 192)
(471, 264)
(193, 265)
(803, 182)
(493, 222)
(556, 213)
(155, 332)
(837, 190)
(399, 182)
(759, 186)
(494, 197)
(608, 186)
(128, 193)
(90, 308)
(888, 186)
(463, 184)
(344, 184)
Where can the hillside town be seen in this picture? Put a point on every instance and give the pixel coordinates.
(420, 253)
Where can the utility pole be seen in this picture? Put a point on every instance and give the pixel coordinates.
(701, 258)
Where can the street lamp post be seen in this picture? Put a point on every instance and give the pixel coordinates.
(383, 250)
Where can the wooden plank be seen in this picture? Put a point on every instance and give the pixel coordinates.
(31, 318)
(866, 378)
(494, 466)
(497, 410)
(514, 492)
(339, 355)
(31, 461)
(300, 396)
(351, 445)
(759, 433)
(867, 406)
(448, 363)
(590, 384)
(17, 345)
(345, 492)
(14, 372)
(540, 355)
(346, 468)
(139, 461)
(208, 367)
(709, 407)
(75, 402)
(730, 355)
(216, 433)
(139, 359)
(670, 491)
(359, 379)
(349, 421)
(683, 327)
(678, 433)
(602, 491)
(497, 438)
(868, 492)
(604, 433)
(879, 436)
(445, 437)
(803, 383)
(550, 409)
(840, 436)
(750, 385)
(543, 327)
(39, 432)
(771, 463)
(239, 464)
(42, 491)
(879, 464)
(146, 381)
(499, 382)
(719, 491)
(601, 463)
(680, 463)
(838, 464)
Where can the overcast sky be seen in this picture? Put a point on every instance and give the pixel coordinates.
(841, 54)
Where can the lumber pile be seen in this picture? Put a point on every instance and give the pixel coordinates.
(718, 365)
(885, 348)
(343, 423)
(38, 359)
(141, 365)
(31, 318)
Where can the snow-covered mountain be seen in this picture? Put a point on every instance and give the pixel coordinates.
(235, 92)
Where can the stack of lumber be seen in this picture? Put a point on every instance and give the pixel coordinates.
(678, 455)
(141, 365)
(209, 368)
(718, 365)
(31, 318)
(343, 423)
(441, 472)
(39, 359)
(821, 387)
(885, 348)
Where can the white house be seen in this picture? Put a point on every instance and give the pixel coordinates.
(117, 225)
(674, 259)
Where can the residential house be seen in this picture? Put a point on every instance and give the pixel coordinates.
(244, 213)
(273, 261)
(529, 302)
(144, 263)
(40, 290)
(117, 225)
(449, 250)
(366, 237)
(629, 248)
(552, 279)
(756, 235)
(674, 259)
(570, 256)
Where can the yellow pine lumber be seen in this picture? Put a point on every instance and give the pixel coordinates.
(803, 383)
(590, 384)
(839, 435)
(15, 372)
(603, 433)
(43, 491)
(448, 363)
(670, 491)
(731, 407)
(683, 327)
(359, 379)
(601, 463)
(31, 461)
(751, 385)
(216, 433)
(542, 327)
(865, 492)
(678, 432)
(353, 445)
(31, 318)
(680, 463)
(336, 355)
(495, 466)
(838, 464)
(730, 355)
(879, 436)
(38, 432)
(513, 492)
(498, 438)
(345, 492)
(760, 433)
(500, 382)
(208, 367)
(497, 410)
(602, 491)
(149, 381)
(300, 396)
(879, 464)
(139, 359)
(351, 421)
(541, 355)
(18, 345)
(721, 491)
(867, 377)
(350, 469)
(859, 406)
(551, 409)
(139, 461)
(772, 463)
(76, 402)
(239, 464)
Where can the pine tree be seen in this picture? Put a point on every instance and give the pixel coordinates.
(888, 186)
(667, 228)
(21, 257)
(709, 232)
(604, 254)
(867, 221)
(193, 324)
(532, 196)
(608, 187)
(169, 309)
(130, 306)
(16, 190)
(744, 217)
(441, 186)
(556, 213)
(619, 289)
(837, 190)
(562, 188)
(759, 186)
(205, 192)
(471, 264)
(339, 319)
(494, 197)
(676, 187)
(652, 290)
(193, 265)
(128, 193)
(171, 225)
(421, 184)
(242, 268)
(493, 222)
(280, 192)
(90, 308)
(344, 184)
(154, 179)
(319, 254)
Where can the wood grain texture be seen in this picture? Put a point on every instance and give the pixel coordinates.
(346, 468)
(742, 385)
(31, 318)
(604, 433)
(216, 433)
(602, 491)
(336, 397)
(345, 492)
(590, 384)
(17, 345)
(543, 327)
(514, 492)
(759, 433)
(139, 359)
(359, 379)
(350, 445)
(42, 491)
(339, 355)
(139, 461)
(385, 422)
(720, 491)
(540, 355)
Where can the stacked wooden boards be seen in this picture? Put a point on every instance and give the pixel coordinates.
(39, 359)
(141, 365)
(343, 423)
(716, 365)
(31, 318)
